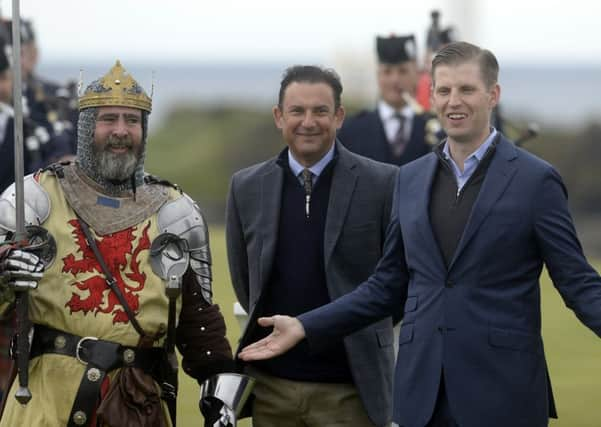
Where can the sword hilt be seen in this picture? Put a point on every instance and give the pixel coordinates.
(23, 395)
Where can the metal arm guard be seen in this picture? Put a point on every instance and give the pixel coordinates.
(222, 398)
(183, 218)
(37, 210)
(37, 206)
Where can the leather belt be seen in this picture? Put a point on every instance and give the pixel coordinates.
(100, 357)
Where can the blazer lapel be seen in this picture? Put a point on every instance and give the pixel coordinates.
(343, 184)
(271, 195)
(499, 174)
(419, 191)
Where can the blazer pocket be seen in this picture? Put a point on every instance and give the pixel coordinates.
(385, 337)
(363, 240)
(361, 226)
(515, 340)
(406, 334)
(366, 231)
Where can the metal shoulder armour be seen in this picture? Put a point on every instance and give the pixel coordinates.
(37, 205)
(183, 218)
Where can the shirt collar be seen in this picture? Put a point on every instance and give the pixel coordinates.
(386, 111)
(479, 153)
(317, 168)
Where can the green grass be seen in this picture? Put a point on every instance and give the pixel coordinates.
(573, 352)
(574, 358)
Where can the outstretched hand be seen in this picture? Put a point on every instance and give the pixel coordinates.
(287, 332)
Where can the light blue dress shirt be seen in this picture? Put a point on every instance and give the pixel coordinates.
(316, 169)
(471, 163)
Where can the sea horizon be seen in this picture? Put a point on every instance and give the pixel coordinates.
(560, 95)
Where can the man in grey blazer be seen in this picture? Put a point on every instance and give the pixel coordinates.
(303, 229)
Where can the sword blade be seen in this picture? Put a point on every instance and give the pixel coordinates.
(23, 395)
(18, 122)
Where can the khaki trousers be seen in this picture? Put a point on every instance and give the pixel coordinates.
(285, 403)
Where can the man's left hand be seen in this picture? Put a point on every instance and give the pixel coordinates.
(287, 332)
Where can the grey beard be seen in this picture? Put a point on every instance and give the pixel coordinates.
(115, 167)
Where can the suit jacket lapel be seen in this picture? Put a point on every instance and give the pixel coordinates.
(499, 174)
(341, 191)
(419, 191)
(271, 195)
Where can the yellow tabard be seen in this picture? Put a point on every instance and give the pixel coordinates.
(74, 297)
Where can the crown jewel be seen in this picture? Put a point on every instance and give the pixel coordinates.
(116, 88)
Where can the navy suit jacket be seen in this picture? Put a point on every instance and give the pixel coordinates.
(480, 318)
(364, 134)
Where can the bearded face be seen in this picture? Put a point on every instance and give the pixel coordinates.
(116, 160)
(117, 142)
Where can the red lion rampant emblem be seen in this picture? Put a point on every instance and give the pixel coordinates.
(114, 248)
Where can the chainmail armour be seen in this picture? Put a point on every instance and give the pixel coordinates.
(86, 158)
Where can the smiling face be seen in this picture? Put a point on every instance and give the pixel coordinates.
(308, 119)
(463, 102)
(117, 142)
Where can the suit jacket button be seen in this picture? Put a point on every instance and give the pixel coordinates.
(449, 284)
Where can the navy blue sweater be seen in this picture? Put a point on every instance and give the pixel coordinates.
(298, 281)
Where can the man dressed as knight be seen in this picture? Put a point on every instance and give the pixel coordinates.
(117, 272)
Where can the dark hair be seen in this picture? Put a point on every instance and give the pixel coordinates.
(311, 74)
(461, 52)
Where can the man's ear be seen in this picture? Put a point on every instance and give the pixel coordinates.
(431, 93)
(339, 116)
(277, 116)
(495, 95)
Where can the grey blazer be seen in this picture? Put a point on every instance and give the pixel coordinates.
(358, 215)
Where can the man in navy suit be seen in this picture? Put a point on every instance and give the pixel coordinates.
(398, 130)
(472, 226)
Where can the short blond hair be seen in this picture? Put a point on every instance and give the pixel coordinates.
(461, 52)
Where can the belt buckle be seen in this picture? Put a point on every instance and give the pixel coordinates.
(78, 348)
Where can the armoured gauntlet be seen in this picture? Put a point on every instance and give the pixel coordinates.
(19, 271)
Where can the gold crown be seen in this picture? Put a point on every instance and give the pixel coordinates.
(116, 88)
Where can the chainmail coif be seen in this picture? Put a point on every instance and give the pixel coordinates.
(86, 157)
